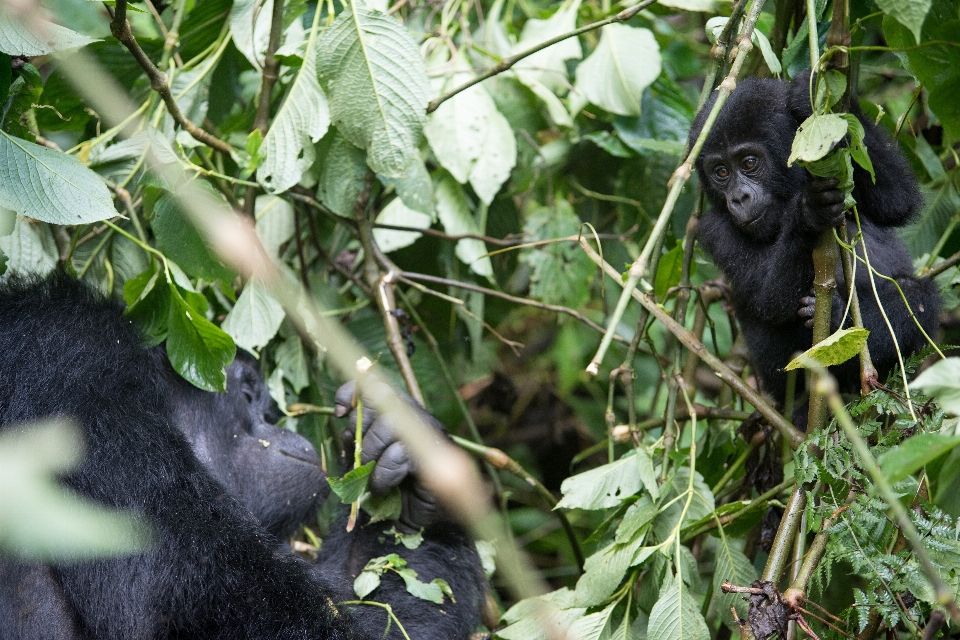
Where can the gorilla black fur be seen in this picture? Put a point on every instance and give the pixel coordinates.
(195, 466)
(765, 219)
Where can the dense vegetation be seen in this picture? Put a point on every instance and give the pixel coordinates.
(471, 237)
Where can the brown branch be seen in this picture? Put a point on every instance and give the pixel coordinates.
(159, 82)
(725, 373)
(509, 61)
(408, 276)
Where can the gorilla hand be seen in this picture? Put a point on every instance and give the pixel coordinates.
(394, 466)
(822, 204)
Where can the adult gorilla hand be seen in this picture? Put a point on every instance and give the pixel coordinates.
(395, 467)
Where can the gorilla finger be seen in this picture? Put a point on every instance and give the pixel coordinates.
(376, 440)
(419, 508)
(809, 323)
(824, 184)
(343, 406)
(392, 467)
(343, 398)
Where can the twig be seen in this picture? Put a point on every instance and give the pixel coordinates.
(407, 276)
(792, 435)
(159, 82)
(509, 61)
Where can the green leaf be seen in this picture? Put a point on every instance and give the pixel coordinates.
(676, 615)
(181, 242)
(377, 85)
(457, 219)
(50, 185)
(561, 271)
(732, 565)
(611, 77)
(836, 348)
(471, 138)
(148, 303)
(537, 618)
(251, 38)
(342, 168)
(816, 137)
(365, 583)
(431, 591)
(30, 248)
(603, 487)
(17, 40)
(415, 188)
(39, 519)
(669, 270)
(909, 13)
(942, 381)
(292, 360)
(354, 483)
(548, 67)
(592, 626)
(602, 574)
(399, 214)
(383, 508)
(301, 121)
(275, 223)
(198, 350)
(913, 453)
(936, 61)
(255, 319)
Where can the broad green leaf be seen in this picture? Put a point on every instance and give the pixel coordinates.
(691, 5)
(909, 13)
(816, 137)
(292, 360)
(543, 618)
(255, 319)
(935, 62)
(39, 519)
(669, 270)
(50, 185)
(182, 243)
(548, 66)
(470, 137)
(555, 109)
(457, 219)
(198, 350)
(942, 381)
(836, 348)
(603, 487)
(275, 223)
(249, 38)
(399, 214)
(592, 626)
(625, 62)
(191, 90)
(342, 168)
(301, 121)
(17, 40)
(676, 615)
(602, 574)
(148, 303)
(365, 583)
(29, 249)
(731, 565)
(561, 271)
(432, 591)
(376, 84)
(353, 483)
(913, 453)
(415, 188)
(637, 516)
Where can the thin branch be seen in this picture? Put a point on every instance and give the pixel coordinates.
(159, 82)
(509, 61)
(407, 276)
(725, 373)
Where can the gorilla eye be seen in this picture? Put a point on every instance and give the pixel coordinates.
(750, 163)
(721, 172)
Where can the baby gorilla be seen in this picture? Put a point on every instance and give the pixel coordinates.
(216, 480)
(765, 218)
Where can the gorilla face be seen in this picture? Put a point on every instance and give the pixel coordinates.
(274, 472)
(738, 174)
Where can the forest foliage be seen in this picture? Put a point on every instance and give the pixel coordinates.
(468, 187)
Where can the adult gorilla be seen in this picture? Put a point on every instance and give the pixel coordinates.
(765, 219)
(217, 481)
